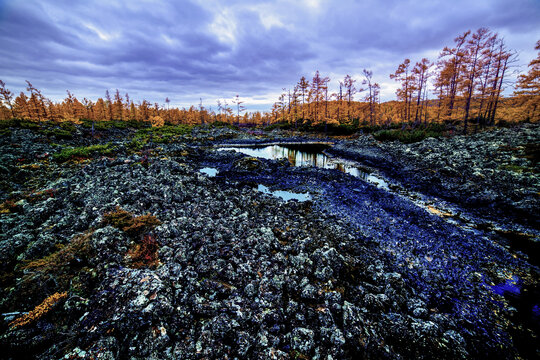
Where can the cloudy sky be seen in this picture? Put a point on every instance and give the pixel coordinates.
(210, 49)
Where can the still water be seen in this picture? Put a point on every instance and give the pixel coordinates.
(307, 155)
(283, 194)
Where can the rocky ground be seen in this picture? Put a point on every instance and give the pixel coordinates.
(133, 253)
(495, 172)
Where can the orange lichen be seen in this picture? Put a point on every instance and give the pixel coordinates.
(38, 311)
(7, 206)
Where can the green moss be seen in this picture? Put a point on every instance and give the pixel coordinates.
(18, 123)
(84, 152)
(110, 124)
(407, 135)
(68, 126)
(137, 144)
(514, 168)
(58, 133)
(164, 134)
(222, 124)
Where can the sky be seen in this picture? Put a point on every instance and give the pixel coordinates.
(210, 50)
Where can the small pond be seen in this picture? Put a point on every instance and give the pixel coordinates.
(285, 195)
(307, 155)
(211, 172)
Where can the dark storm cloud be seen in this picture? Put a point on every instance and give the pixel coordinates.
(215, 49)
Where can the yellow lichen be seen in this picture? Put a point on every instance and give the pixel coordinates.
(38, 311)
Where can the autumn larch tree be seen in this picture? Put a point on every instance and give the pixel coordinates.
(404, 93)
(7, 97)
(36, 103)
(472, 67)
(348, 83)
(421, 75)
(316, 95)
(528, 86)
(370, 97)
(239, 107)
(303, 85)
(294, 103)
(118, 106)
(451, 60)
(487, 64)
(108, 104)
(504, 59)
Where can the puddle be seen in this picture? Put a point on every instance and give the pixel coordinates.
(285, 195)
(307, 155)
(211, 172)
(510, 286)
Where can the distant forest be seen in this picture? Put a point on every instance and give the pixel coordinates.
(463, 85)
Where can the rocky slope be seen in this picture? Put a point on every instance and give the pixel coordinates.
(496, 172)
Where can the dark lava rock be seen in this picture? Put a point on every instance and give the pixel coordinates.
(355, 273)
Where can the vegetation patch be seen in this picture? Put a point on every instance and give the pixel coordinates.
(58, 133)
(223, 124)
(144, 253)
(83, 152)
(532, 152)
(18, 123)
(78, 251)
(515, 168)
(39, 311)
(410, 135)
(163, 134)
(8, 206)
(114, 124)
(132, 225)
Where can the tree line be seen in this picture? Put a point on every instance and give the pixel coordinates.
(466, 82)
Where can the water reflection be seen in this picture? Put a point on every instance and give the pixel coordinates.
(511, 286)
(285, 195)
(306, 155)
(211, 172)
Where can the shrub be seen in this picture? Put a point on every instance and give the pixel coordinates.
(58, 133)
(133, 225)
(141, 224)
(157, 121)
(145, 253)
(39, 310)
(119, 218)
(78, 250)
